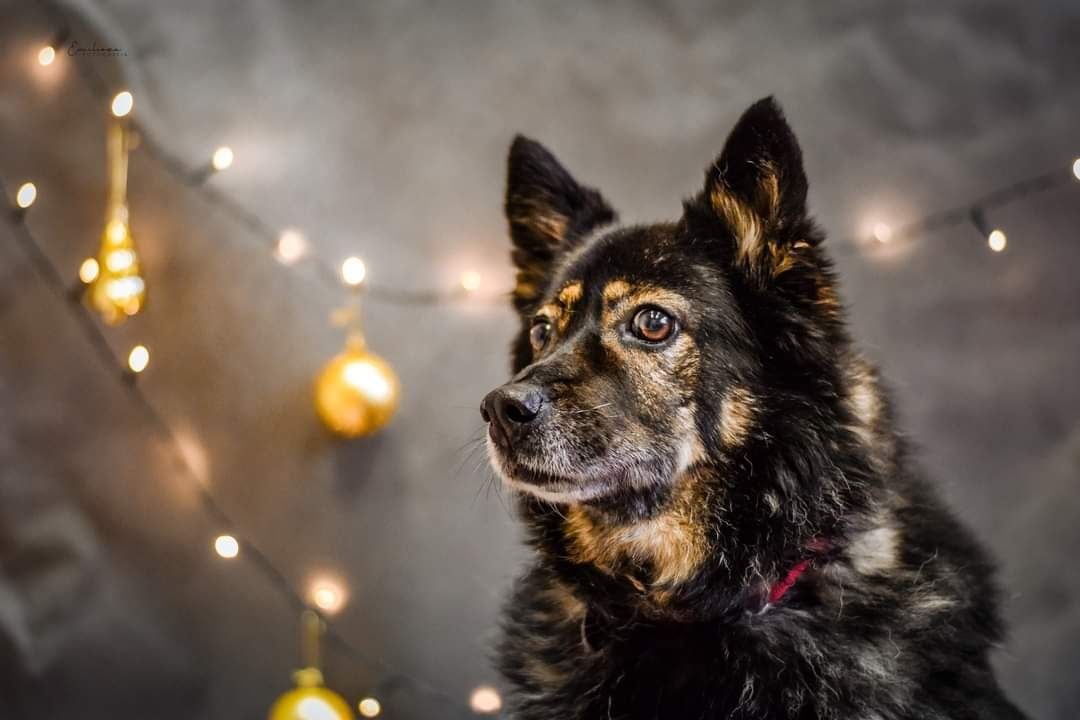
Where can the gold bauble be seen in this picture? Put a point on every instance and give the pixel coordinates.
(119, 291)
(310, 701)
(356, 393)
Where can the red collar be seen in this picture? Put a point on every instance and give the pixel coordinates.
(779, 589)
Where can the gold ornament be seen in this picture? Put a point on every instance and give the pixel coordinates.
(309, 700)
(118, 291)
(356, 393)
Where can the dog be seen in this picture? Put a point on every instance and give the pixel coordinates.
(726, 522)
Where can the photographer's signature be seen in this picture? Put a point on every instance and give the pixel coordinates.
(77, 50)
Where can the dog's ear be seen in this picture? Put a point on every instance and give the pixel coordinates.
(549, 212)
(757, 189)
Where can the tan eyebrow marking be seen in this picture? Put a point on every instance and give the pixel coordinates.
(551, 311)
(615, 290)
(571, 293)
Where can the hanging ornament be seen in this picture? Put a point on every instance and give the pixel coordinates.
(356, 393)
(118, 291)
(310, 700)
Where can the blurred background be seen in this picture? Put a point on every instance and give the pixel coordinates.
(379, 130)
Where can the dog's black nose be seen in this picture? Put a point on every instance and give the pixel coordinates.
(510, 409)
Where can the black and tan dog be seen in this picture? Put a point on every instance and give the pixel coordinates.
(725, 520)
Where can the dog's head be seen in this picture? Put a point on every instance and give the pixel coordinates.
(647, 352)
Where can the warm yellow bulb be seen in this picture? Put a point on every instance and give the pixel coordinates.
(882, 232)
(46, 55)
(369, 707)
(327, 595)
(119, 260)
(122, 104)
(353, 271)
(226, 546)
(291, 246)
(26, 195)
(117, 232)
(470, 280)
(1076, 168)
(996, 240)
(485, 700)
(138, 358)
(88, 270)
(222, 158)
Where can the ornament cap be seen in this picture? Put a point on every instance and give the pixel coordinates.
(308, 677)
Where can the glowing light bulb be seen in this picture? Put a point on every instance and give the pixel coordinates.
(327, 595)
(291, 246)
(485, 700)
(470, 280)
(119, 260)
(138, 358)
(996, 240)
(1076, 168)
(882, 232)
(46, 55)
(222, 158)
(117, 232)
(26, 195)
(88, 270)
(226, 546)
(122, 104)
(353, 271)
(369, 707)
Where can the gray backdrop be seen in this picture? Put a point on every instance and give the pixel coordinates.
(380, 129)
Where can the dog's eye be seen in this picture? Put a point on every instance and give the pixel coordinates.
(653, 325)
(539, 334)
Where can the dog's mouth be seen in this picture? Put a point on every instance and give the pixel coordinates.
(591, 485)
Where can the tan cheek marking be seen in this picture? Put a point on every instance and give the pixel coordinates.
(737, 416)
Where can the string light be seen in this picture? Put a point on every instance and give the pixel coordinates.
(327, 595)
(122, 103)
(882, 232)
(996, 240)
(353, 271)
(222, 158)
(88, 270)
(1076, 168)
(226, 546)
(470, 280)
(369, 707)
(26, 195)
(138, 358)
(291, 246)
(485, 700)
(46, 56)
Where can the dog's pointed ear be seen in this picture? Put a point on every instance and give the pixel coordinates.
(548, 212)
(757, 188)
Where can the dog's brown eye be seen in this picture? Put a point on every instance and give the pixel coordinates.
(653, 325)
(539, 334)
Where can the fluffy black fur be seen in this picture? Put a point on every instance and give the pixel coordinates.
(668, 487)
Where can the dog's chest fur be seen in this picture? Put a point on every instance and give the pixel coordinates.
(896, 623)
